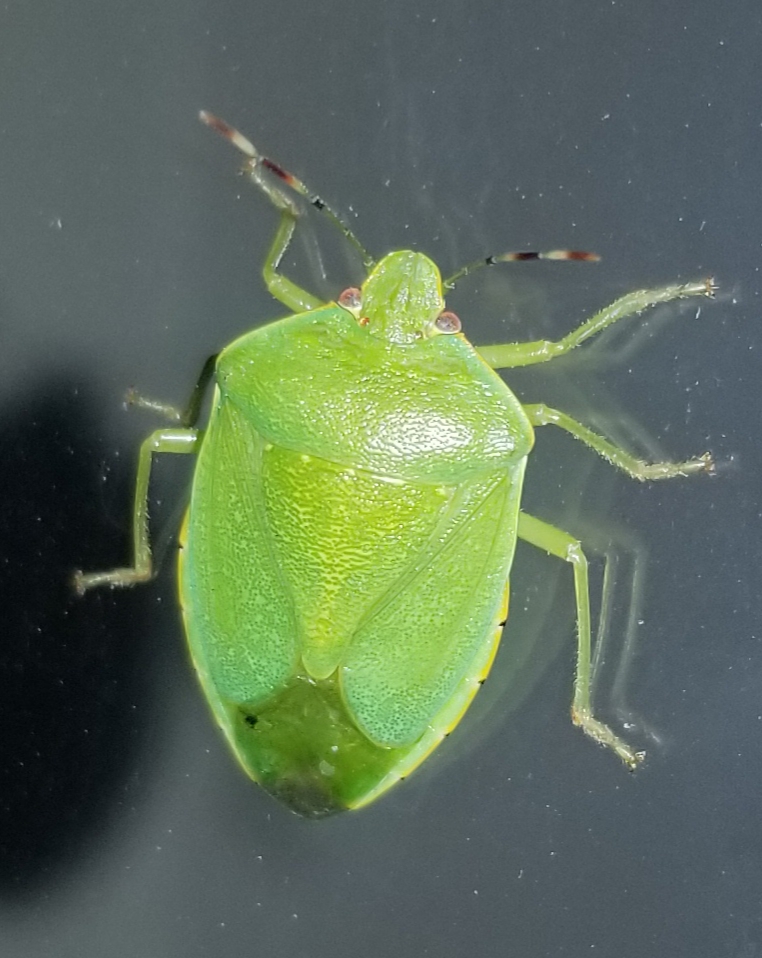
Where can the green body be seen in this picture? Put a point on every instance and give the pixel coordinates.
(346, 554)
(354, 514)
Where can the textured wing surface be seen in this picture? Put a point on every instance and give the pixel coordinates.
(418, 643)
(344, 537)
(238, 606)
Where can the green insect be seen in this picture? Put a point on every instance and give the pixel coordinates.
(356, 502)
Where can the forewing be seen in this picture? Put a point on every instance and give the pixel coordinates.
(416, 645)
(238, 607)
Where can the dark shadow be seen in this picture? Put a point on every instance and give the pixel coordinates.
(70, 669)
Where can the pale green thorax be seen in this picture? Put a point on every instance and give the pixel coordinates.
(402, 297)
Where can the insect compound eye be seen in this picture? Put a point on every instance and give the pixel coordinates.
(351, 299)
(448, 323)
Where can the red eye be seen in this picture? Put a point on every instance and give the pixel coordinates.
(447, 322)
(350, 299)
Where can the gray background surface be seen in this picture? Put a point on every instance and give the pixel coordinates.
(129, 252)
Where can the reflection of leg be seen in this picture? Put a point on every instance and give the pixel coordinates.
(625, 563)
(183, 417)
(163, 440)
(542, 415)
(560, 544)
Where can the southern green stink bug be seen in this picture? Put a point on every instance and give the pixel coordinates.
(356, 502)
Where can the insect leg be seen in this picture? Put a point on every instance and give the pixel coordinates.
(163, 440)
(508, 355)
(541, 415)
(558, 543)
(258, 168)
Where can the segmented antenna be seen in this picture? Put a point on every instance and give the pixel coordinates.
(578, 255)
(257, 161)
